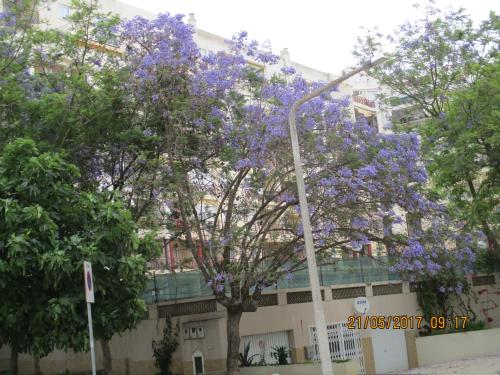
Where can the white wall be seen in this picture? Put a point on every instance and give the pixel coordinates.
(453, 346)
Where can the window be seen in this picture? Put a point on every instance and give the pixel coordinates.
(64, 11)
(207, 214)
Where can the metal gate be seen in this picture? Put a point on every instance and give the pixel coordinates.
(344, 343)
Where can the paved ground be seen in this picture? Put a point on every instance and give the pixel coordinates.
(469, 366)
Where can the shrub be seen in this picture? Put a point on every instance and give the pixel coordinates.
(245, 360)
(164, 349)
(281, 354)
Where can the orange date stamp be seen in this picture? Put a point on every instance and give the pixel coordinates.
(405, 322)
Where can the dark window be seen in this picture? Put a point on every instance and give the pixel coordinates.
(344, 293)
(188, 308)
(382, 290)
(301, 297)
(267, 300)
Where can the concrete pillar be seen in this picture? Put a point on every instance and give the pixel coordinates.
(281, 298)
(369, 290)
(192, 20)
(406, 287)
(328, 294)
(285, 57)
(369, 357)
(411, 348)
(153, 312)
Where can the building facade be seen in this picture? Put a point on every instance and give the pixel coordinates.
(285, 318)
(285, 315)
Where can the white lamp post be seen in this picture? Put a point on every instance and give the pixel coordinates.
(319, 314)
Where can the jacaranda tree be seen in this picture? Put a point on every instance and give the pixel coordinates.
(225, 126)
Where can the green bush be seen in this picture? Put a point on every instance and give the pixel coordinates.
(281, 354)
(486, 261)
(164, 349)
(245, 359)
(470, 326)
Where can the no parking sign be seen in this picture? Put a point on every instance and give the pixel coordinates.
(89, 284)
(89, 296)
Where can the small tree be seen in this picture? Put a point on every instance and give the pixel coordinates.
(164, 349)
(47, 228)
(447, 67)
(461, 147)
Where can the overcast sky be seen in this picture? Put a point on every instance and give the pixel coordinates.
(318, 33)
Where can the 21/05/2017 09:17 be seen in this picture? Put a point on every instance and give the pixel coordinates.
(405, 322)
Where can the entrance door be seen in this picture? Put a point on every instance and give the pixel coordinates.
(389, 350)
(198, 365)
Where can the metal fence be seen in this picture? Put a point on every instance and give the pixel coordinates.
(344, 344)
(263, 345)
(182, 285)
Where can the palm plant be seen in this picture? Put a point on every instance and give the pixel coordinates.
(245, 359)
(281, 354)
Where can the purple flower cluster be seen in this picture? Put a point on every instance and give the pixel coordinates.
(359, 223)
(162, 45)
(288, 70)
(217, 283)
(354, 175)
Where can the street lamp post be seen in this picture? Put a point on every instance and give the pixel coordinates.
(319, 314)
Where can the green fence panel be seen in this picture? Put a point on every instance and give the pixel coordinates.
(183, 285)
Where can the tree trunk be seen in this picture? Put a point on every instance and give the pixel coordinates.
(38, 370)
(107, 360)
(233, 339)
(492, 240)
(13, 361)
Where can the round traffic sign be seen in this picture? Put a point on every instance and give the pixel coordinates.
(89, 281)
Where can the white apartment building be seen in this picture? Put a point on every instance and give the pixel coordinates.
(361, 89)
(363, 101)
(57, 10)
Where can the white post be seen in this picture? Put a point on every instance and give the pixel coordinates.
(319, 313)
(89, 297)
(91, 337)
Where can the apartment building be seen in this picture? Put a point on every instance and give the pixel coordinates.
(285, 314)
(175, 255)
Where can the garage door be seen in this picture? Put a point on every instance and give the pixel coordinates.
(389, 350)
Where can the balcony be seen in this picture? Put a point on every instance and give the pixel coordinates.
(362, 100)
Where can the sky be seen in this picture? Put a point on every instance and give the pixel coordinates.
(318, 33)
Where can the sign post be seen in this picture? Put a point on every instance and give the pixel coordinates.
(89, 297)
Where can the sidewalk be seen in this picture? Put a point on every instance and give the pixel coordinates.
(468, 366)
